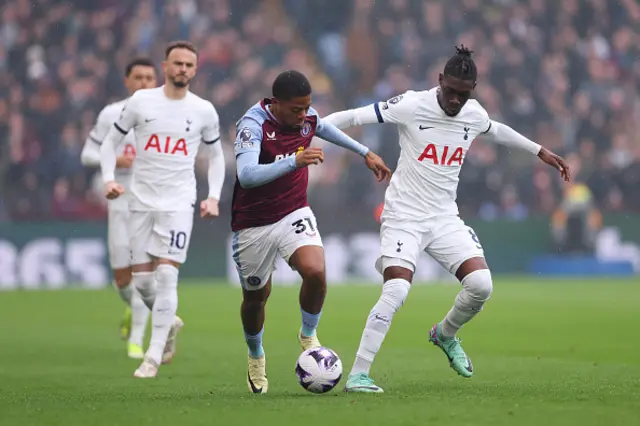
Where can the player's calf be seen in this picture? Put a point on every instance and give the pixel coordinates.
(144, 283)
(394, 293)
(164, 310)
(135, 317)
(252, 313)
(477, 286)
(476, 290)
(122, 283)
(310, 264)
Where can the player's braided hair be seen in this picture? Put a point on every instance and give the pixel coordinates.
(461, 65)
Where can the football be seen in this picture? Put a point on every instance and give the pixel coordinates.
(319, 370)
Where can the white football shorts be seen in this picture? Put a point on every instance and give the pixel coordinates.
(164, 235)
(448, 240)
(255, 250)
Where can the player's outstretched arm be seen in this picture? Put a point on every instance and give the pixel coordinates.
(505, 135)
(330, 133)
(353, 117)
(215, 178)
(398, 110)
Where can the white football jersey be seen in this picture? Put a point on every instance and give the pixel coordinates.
(104, 123)
(168, 135)
(432, 149)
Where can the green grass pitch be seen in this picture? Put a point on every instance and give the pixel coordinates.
(545, 353)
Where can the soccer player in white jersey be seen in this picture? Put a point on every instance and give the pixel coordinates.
(436, 128)
(140, 73)
(169, 123)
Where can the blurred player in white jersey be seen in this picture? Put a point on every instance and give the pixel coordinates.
(169, 123)
(140, 73)
(436, 128)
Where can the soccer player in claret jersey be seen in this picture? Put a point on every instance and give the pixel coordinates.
(140, 74)
(270, 215)
(170, 123)
(436, 128)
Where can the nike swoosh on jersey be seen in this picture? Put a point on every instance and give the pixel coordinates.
(425, 127)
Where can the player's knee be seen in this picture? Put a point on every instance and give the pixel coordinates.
(479, 284)
(314, 274)
(122, 277)
(395, 292)
(253, 305)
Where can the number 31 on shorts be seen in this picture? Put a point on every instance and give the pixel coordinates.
(306, 224)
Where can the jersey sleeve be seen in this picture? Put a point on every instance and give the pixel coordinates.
(211, 129)
(101, 128)
(483, 119)
(398, 110)
(248, 136)
(129, 116)
(327, 131)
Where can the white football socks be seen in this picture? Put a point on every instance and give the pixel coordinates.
(476, 290)
(394, 293)
(139, 311)
(164, 310)
(139, 318)
(144, 282)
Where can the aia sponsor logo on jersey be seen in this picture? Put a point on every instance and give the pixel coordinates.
(448, 157)
(168, 146)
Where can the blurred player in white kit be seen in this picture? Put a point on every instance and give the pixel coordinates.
(436, 129)
(169, 123)
(140, 73)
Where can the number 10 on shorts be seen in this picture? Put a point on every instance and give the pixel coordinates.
(178, 239)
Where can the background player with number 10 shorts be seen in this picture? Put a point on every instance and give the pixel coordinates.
(170, 123)
(436, 129)
(270, 214)
(140, 74)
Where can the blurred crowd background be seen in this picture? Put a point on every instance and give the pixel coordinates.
(566, 73)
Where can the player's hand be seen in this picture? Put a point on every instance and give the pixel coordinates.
(377, 166)
(556, 162)
(113, 190)
(308, 157)
(125, 161)
(209, 208)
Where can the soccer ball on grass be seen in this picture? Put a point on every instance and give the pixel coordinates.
(319, 370)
